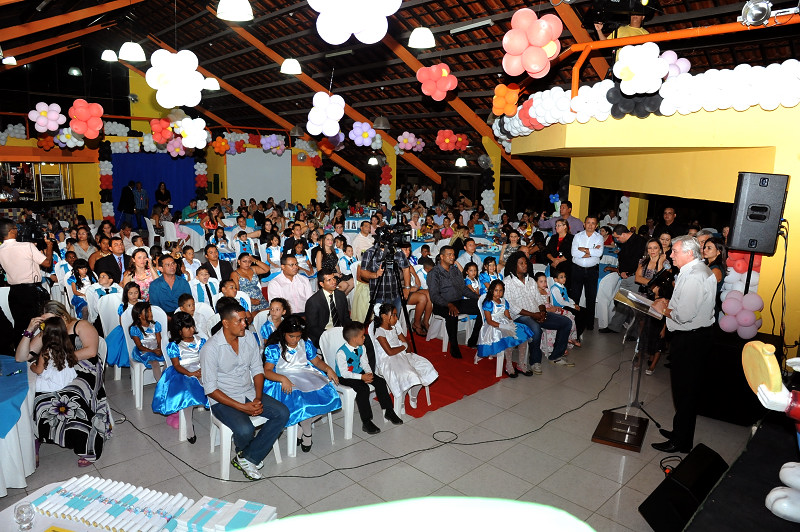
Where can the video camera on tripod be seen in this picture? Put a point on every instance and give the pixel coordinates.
(35, 230)
(392, 237)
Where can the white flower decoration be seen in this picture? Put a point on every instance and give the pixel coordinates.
(175, 78)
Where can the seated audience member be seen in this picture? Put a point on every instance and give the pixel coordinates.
(451, 297)
(290, 286)
(354, 371)
(247, 280)
(220, 270)
(190, 264)
(326, 308)
(469, 254)
(233, 379)
(203, 286)
(165, 290)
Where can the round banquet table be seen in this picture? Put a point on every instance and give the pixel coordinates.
(17, 452)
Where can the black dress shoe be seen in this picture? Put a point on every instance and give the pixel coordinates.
(370, 428)
(192, 440)
(305, 448)
(393, 417)
(513, 375)
(666, 433)
(669, 447)
(455, 354)
(606, 330)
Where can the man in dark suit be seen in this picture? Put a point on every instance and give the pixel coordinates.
(319, 307)
(127, 203)
(221, 270)
(114, 265)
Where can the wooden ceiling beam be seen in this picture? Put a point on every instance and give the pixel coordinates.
(316, 86)
(19, 50)
(15, 32)
(43, 55)
(466, 113)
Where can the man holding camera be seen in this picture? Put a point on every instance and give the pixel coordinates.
(23, 263)
(377, 266)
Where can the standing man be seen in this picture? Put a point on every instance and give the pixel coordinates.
(451, 297)
(142, 203)
(290, 286)
(233, 379)
(565, 211)
(127, 203)
(446, 201)
(670, 225)
(165, 291)
(23, 264)
(259, 215)
(631, 251)
(587, 248)
(363, 240)
(220, 270)
(469, 255)
(114, 264)
(379, 269)
(689, 316)
(327, 308)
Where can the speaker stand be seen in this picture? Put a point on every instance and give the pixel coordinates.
(624, 430)
(749, 272)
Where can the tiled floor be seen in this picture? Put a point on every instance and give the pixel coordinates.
(526, 457)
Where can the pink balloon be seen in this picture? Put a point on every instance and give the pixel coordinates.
(731, 306)
(728, 323)
(512, 64)
(515, 41)
(539, 34)
(673, 71)
(752, 302)
(554, 23)
(683, 64)
(534, 59)
(759, 323)
(735, 294)
(669, 56)
(523, 18)
(745, 333)
(542, 73)
(740, 266)
(745, 318)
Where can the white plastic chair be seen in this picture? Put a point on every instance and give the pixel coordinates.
(170, 234)
(130, 251)
(438, 329)
(4, 290)
(137, 368)
(221, 435)
(102, 350)
(151, 232)
(197, 293)
(107, 310)
(258, 322)
(203, 318)
(291, 437)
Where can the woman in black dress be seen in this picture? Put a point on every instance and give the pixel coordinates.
(163, 197)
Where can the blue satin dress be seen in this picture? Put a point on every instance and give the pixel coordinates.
(176, 391)
(148, 339)
(313, 394)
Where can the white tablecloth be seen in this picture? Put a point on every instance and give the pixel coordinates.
(17, 452)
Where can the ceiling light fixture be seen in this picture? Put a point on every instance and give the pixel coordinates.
(421, 38)
(132, 52)
(109, 55)
(472, 26)
(10, 60)
(381, 123)
(756, 12)
(210, 84)
(74, 71)
(461, 162)
(342, 52)
(373, 161)
(235, 10)
(297, 131)
(291, 66)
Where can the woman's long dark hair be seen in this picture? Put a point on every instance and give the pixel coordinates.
(56, 343)
(180, 320)
(646, 259)
(82, 263)
(511, 263)
(128, 287)
(385, 308)
(291, 324)
(139, 310)
(492, 286)
(722, 258)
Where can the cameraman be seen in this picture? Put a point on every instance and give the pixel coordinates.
(377, 266)
(23, 264)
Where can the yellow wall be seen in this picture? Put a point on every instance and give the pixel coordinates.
(694, 156)
(216, 165)
(147, 105)
(86, 185)
(304, 181)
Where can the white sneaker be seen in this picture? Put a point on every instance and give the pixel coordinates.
(537, 369)
(247, 467)
(563, 361)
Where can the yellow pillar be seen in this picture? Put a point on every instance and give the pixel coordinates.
(579, 196)
(637, 210)
(146, 106)
(495, 153)
(391, 160)
(304, 180)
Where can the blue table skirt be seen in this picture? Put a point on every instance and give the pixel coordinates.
(13, 391)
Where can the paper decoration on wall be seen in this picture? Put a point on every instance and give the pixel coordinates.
(446, 140)
(175, 78)
(505, 99)
(46, 117)
(366, 19)
(85, 118)
(640, 68)
(324, 116)
(531, 43)
(115, 129)
(436, 81)
(193, 133)
(70, 139)
(406, 141)
(362, 134)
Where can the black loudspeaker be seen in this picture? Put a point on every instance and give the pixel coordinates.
(673, 503)
(757, 212)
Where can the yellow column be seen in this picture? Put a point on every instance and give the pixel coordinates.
(391, 160)
(304, 180)
(637, 210)
(579, 196)
(146, 106)
(495, 153)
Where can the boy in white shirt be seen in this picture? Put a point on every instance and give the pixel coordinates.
(189, 262)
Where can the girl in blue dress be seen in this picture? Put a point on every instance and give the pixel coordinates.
(299, 378)
(115, 341)
(82, 278)
(500, 334)
(273, 257)
(471, 277)
(146, 334)
(489, 273)
(279, 308)
(180, 387)
(225, 247)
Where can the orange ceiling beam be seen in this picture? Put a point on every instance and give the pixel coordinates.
(260, 108)
(21, 30)
(579, 33)
(34, 58)
(466, 113)
(5, 2)
(309, 82)
(19, 50)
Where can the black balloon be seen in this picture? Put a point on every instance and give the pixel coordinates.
(105, 196)
(614, 95)
(502, 127)
(641, 105)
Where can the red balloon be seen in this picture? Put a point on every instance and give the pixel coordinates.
(96, 109)
(542, 73)
(439, 95)
(452, 82)
(523, 18)
(443, 84)
(557, 51)
(78, 126)
(428, 88)
(539, 34)
(740, 266)
(554, 23)
(534, 59)
(515, 41)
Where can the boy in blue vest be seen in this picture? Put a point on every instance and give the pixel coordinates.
(353, 370)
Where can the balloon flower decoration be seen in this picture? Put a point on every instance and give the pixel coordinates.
(324, 116)
(505, 99)
(175, 147)
(162, 131)
(193, 133)
(46, 117)
(446, 140)
(462, 141)
(220, 146)
(46, 142)
(386, 184)
(419, 145)
(677, 65)
(366, 19)
(640, 69)
(556, 201)
(362, 134)
(738, 262)
(86, 119)
(742, 314)
(70, 140)
(436, 81)
(239, 146)
(531, 43)
(406, 141)
(527, 119)
(175, 78)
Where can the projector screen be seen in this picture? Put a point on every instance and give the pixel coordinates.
(259, 175)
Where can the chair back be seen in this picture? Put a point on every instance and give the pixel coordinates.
(107, 310)
(329, 343)
(258, 322)
(151, 231)
(161, 317)
(170, 234)
(203, 314)
(380, 354)
(126, 320)
(4, 303)
(102, 350)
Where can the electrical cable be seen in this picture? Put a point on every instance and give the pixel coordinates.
(437, 436)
